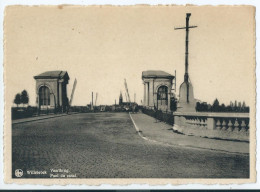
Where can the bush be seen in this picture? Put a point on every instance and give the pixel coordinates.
(23, 112)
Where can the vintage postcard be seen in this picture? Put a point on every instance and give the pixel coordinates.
(129, 94)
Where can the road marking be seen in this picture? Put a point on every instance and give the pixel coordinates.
(140, 132)
(137, 129)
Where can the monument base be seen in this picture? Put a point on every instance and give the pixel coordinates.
(186, 107)
(186, 103)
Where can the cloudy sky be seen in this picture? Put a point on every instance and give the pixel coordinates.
(100, 46)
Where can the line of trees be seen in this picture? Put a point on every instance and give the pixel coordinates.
(217, 107)
(21, 98)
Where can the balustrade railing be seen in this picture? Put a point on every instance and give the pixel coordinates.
(228, 124)
(219, 123)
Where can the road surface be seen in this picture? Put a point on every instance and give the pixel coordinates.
(106, 145)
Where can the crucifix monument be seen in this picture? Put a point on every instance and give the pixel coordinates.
(186, 103)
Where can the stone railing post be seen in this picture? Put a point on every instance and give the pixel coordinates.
(243, 126)
(176, 120)
(218, 125)
(211, 123)
(236, 126)
(230, 126)
(182, 121)
(224, 125)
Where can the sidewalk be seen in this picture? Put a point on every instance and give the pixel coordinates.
(37, 118)
(163, 133)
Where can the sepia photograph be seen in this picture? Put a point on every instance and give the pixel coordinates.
(129, 92)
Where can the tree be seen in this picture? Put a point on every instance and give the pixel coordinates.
(229, 108)
(222, 108)
(243, 107)
(173, 104)
(24, 97)
(207, 107)
(198, 106)
(244, 104)
(17, 99)
(215, 106)
(235, 107)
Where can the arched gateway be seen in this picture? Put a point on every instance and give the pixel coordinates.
(51, 90)
(162, 95)
(44, 96)
(157, 89)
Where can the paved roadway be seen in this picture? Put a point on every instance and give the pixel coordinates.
(105, 145)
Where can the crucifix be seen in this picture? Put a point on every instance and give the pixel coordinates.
(187, 27)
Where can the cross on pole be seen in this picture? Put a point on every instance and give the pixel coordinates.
(187, 27)
(186, 76)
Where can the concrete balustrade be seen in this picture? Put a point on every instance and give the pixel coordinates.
(213, 125)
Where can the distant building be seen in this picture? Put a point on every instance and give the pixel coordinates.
(124, 104)
(51, 89)
(157, 89)
(120, 99)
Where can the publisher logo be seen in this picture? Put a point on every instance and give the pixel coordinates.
(18, 172)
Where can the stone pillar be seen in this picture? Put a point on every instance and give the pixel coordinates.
(211, 124)
(176, 120)
(60, 93)
(151, 94)
(144, 101)
(57, 95)
(182, 121)
(176, 123)
(147, 93)
(39, 105)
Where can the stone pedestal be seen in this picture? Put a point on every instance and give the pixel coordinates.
(183, 104)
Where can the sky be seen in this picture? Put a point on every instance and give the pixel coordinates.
(102, 46)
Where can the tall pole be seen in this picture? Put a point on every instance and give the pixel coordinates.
(92, 101)
(72, 92)
(127, 92)
(126, 97)
(186, 75)
(96, 99)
